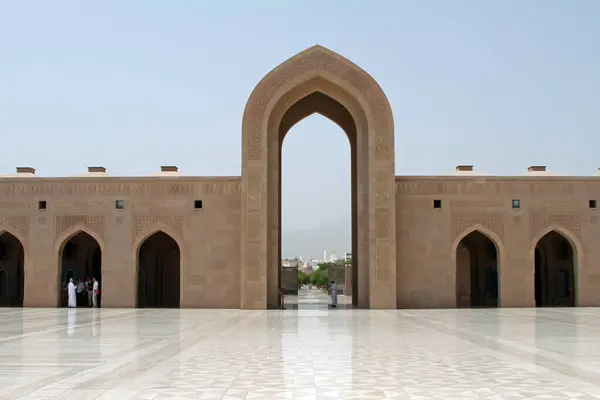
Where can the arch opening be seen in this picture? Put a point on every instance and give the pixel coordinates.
(316, 212)
(158, 272)
(476, 271)
(12, 271)
(80, 258)
(554, 263)
(317, 102)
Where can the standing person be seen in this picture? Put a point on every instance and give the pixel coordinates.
(72, 294)
(333, 291)
(96, 288)
(89, 287)
(80, 291)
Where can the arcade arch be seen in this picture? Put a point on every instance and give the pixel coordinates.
(555, 277)
(477, 271)
(158, 271)
(319, 81)
(80, 258)
(12, 270)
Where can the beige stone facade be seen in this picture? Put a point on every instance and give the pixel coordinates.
(464, 240)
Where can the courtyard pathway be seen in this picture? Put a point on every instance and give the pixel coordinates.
(300, 354)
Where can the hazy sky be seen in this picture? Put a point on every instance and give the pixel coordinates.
(132, 85)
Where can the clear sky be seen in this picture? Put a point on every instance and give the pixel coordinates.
(132, 85)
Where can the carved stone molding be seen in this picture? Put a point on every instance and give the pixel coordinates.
(496, 187)
(115, 189)
(78, 204)
(13, 205)
(478, 202)
(159, 204)
(66, 222)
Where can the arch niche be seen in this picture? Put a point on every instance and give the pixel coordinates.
(319, 81)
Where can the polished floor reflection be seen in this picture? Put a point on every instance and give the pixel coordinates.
(296, 354)
(314, 299)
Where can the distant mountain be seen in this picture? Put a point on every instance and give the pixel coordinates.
(310, 243)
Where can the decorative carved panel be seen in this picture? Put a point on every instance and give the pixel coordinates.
(382, 252)
(382, 223)
(382, 187)
(541, 222)
(94, 222)
(494, 222)
(143, 222)
(18, 222)
(222, 189)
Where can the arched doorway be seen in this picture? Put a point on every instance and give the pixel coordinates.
(12, 267)
(81, 260)
(316, 210)
(476, 271)
(554, 261)
(319, 81)
(159, 279)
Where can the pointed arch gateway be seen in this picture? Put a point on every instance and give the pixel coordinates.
(477, 257)
(555, 258)
(12, 270)
(319, 81)
(159, 271)
(80, 258)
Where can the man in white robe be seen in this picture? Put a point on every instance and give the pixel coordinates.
(71, 292)
(333, 291)
(96, 287)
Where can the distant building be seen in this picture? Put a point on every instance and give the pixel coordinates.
(329, 256)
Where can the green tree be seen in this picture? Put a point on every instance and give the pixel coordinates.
(319, 277)
(303, 279)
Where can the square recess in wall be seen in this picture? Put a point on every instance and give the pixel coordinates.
(593, 204)
(198, 204)
(437, 204)
(42, 205)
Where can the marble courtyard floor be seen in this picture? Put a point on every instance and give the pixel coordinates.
(299, 354)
